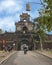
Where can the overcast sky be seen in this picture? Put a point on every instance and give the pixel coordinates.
(10, 11)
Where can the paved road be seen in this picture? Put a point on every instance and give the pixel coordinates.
(31, 58)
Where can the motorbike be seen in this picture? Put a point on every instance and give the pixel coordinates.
(25, 51)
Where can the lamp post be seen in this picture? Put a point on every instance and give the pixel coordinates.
(28, 5)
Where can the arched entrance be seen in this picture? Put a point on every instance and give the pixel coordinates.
(22, 43)
(24, 28)
(25, 42)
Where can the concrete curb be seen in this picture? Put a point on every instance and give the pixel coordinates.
(44, 54)
(7, 57)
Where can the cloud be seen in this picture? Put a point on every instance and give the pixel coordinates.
(10, 11)
(10, 6)
(7, 23)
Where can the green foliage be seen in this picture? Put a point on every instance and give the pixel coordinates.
(44, 21)
(48, 13)
(45, 18)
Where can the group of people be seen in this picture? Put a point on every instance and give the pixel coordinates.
(8, 48)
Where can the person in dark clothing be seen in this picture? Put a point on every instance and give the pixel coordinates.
(25, 50)
(9, 48)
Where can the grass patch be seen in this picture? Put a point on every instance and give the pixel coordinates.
(50, 52)
(1, 51)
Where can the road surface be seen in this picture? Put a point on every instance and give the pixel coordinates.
(31, 58)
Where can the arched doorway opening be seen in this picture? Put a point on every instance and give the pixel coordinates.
(22, 43)
(24, 29)
(25, 42)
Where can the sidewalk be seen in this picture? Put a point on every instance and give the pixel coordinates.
(5, 55)
(45, 53)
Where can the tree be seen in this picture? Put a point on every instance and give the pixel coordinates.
(44, 20)
(40, 31)
(41, 27)
(48, 15)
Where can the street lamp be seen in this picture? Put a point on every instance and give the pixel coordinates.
(28, 5)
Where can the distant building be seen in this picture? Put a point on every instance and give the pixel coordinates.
(24, 35)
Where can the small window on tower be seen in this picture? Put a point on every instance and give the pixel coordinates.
(24, 20)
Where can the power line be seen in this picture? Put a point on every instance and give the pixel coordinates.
(41, 3)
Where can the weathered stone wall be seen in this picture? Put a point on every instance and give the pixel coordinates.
(46, 45)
